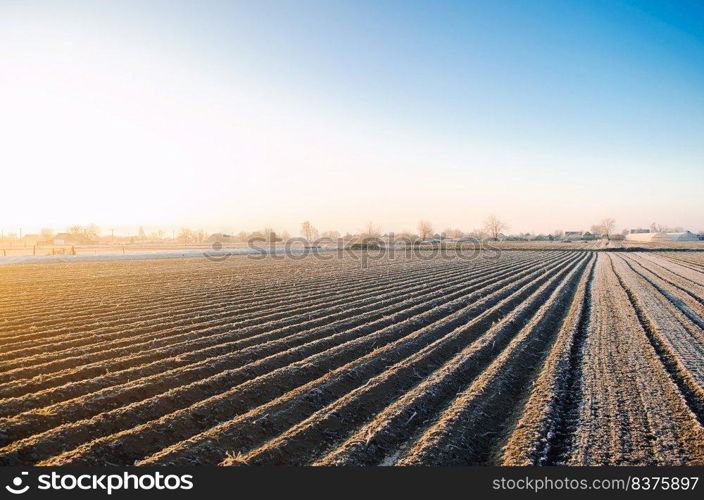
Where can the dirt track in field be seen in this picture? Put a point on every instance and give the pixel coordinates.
(537, 357)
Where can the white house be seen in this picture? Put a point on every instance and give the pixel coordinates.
(655, 237)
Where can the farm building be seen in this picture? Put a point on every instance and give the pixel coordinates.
(573, 235)
(648, 237)
(64, 239)
(592, 236)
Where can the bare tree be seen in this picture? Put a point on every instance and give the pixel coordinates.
(454, 234)
(331, 235)
(372, 230)
(270, 235)
(657, 228)
(309, 232)
(477, 234)
(186, 235)
(425, 229)
(91, 232)
(47, 234)
(85, 234)
(493, 226)
(306, 230)
(406, 237)
(608, 225)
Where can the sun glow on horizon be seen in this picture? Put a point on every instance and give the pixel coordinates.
(105, 122)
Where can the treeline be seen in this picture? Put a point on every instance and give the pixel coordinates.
(92, 234)
(493, 228)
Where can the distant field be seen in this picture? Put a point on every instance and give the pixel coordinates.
(547, 356)
(8, 252)
(127, 249)
(601, 245)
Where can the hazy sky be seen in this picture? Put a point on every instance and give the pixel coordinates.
(237, 115)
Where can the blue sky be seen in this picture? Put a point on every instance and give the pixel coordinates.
(550, 114)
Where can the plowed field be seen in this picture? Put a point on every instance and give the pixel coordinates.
(536, 357)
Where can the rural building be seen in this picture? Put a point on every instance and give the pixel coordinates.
(684, 236)
(654, 237)
(573, 235)
(592, 236)
(64, 239)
